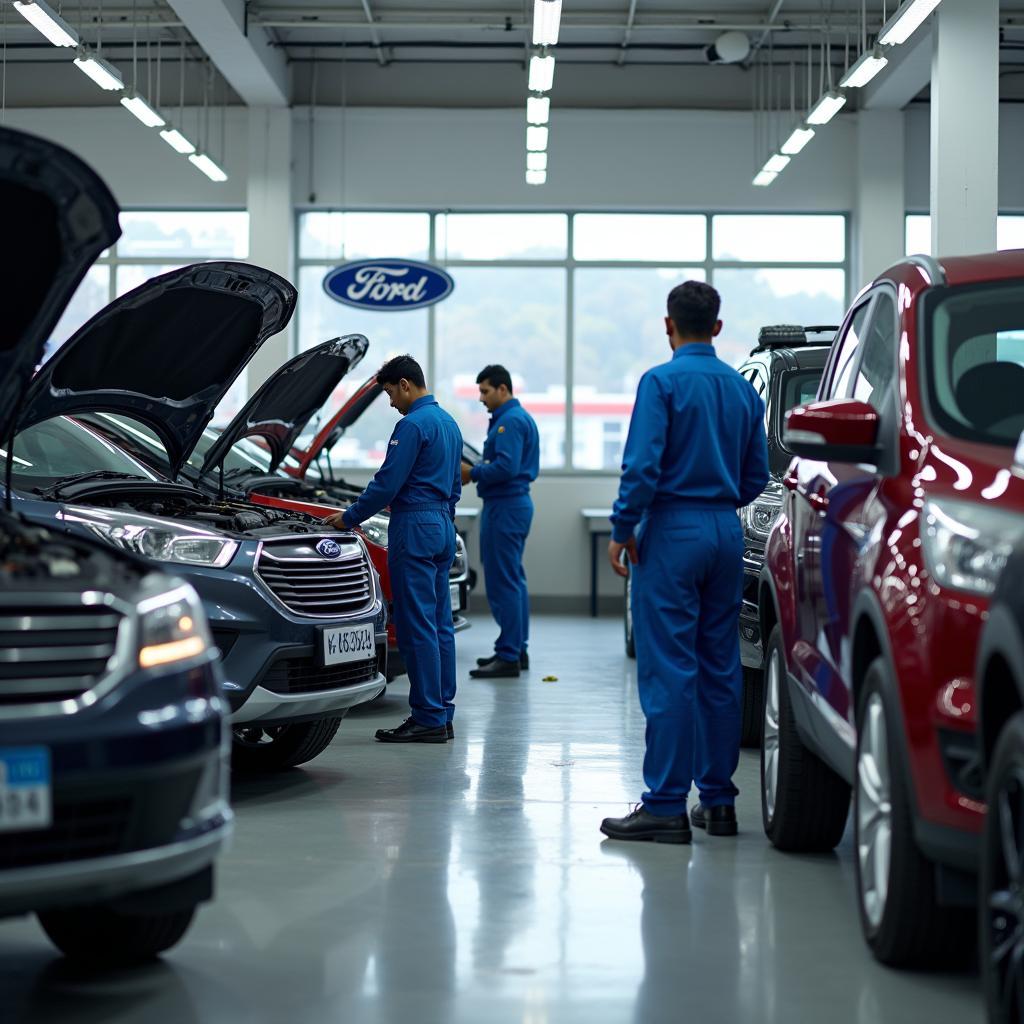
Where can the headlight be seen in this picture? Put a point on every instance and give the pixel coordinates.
(161, 540)
(759, 516)
(460, 564)
(966, 545)
(172, 627)
(376, 529)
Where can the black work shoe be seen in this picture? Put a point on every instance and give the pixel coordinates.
(640, 824)
(487, 660)
(450, 730)
(719, 821)
(496, 669)
(524, 661)
(410, 731)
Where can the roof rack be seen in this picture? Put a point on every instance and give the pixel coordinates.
(790, 335)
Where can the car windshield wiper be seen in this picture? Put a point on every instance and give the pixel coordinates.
(96, 474)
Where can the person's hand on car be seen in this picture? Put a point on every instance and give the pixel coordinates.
(335, 520)
(616, 551)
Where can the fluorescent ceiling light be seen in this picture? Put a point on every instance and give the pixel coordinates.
(536, 139)
(51, 24)
(905, 22)
(797, 140)
(864, 68)
(104, 74)
(536, 161)
(208, 167)
(776, 164)
(542, 74)
(176, 140)
(536, 177)
(538, 109)
(139, 108)
(546, 16)
(826, 108)
(764, 178)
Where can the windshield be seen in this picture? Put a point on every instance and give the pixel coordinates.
(244, 457)
(59, 448)
(975, 362)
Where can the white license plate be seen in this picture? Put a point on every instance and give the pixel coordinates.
(25, 789)
(348, 643)
(456, 600)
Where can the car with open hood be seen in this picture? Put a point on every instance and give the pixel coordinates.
(254, 457)
(113, 725)
(295, 607)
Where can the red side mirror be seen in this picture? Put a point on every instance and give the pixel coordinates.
(839, 430)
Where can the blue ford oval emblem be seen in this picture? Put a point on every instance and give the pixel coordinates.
(329, 548)
(388, 284)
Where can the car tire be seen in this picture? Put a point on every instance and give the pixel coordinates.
(627, 619)
(752, 721)
(273, 748)
(103, 937)
(902, 921)
(804, 803)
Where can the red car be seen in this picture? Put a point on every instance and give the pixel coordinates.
(899, 512)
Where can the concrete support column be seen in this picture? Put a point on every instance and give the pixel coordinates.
(881, 205)
(965, 127)
(271, 218)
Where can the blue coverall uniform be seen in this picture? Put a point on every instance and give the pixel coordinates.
(511, 463)
(696, 452)
(421, 479)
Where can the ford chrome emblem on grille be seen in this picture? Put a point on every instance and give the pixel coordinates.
(329, 548)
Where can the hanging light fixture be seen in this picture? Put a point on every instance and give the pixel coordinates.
(542, 73)
(536, 161)
(798, 138)
(202, 160)
(208, 166)
(776, 163)
(827, 107)
(764, 178)
(536, 139)
(547, 14)
(536, 177)
(906, 21)
(864, 68)
(538, 109)
(171, 135)
(140, 108)
(102, 72)
(42, 16)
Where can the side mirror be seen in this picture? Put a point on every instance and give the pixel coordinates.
(839, 430)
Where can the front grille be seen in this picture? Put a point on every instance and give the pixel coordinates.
(307, 583)
(81, 829)
(53, 654)
(304, 675)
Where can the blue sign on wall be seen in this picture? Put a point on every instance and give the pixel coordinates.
(388, 284)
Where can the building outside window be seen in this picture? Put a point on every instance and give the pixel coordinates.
(572, 304)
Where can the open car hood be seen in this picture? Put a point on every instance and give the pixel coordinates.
(166, 353)
(289, 399)
(61, 216)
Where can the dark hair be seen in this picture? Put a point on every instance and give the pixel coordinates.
(401, 368)
(495, 375)
(693, 307)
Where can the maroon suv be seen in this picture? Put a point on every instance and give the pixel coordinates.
(900, 510)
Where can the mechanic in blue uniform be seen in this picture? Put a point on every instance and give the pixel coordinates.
(511, 463)
(421, 481)
(696, 452)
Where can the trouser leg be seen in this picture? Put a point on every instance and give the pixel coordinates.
(502, 539)
(720, 687)
(445, 631)
(665, 616)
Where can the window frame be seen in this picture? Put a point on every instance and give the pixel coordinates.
(709, 266)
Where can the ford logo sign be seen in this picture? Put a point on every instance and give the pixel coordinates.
(388, 284)
(329, 548)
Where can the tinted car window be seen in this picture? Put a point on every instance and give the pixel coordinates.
(847, 354)
(800, 388)
(975, 365)
(59, 448)
(877, 367)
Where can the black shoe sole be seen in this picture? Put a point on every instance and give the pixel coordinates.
(450, 733)
(474, 674)
(440, 737)
(716, 828)
(677, 838)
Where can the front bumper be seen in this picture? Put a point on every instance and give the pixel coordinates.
(751, 641)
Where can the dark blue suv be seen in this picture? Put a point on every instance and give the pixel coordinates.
(113, 739)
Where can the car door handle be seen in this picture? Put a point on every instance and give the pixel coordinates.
(790, 482)
(818, 501)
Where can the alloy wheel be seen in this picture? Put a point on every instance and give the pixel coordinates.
(770, 779)
(1004, 914)
(874, 811)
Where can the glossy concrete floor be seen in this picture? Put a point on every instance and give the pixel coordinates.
(469, 883)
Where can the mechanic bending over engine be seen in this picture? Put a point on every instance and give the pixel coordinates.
(696, 452)
(511, 463)
(421, 481)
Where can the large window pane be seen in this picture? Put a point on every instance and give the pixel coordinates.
(502, 236)
(89, 298)
(676, 238)
(752, 298)
(356, 236)
(189, 234)
(320, 318)
(771, 238)
(512, 316)
(131, 275)
(1009, 232)
(619, 324)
